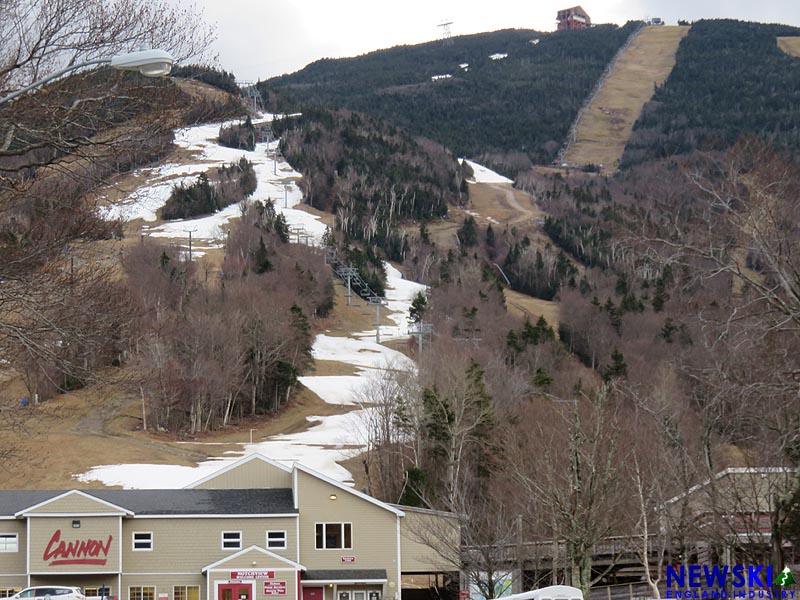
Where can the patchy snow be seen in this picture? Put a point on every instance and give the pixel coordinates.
(275, 182)
(485, 175)
(534, 42)
(464, 66)
(440, 77)
(498, 56)
(331, 438)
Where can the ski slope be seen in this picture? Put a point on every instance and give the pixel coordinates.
(330, 439)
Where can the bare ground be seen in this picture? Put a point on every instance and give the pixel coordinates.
(606, 125)
(790, 45)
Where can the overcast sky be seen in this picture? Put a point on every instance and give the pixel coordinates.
(258, 39)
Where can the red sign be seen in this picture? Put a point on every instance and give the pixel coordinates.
(463, 594)
(348, 559)
(253, 574)
(274, 588)
(79, 552)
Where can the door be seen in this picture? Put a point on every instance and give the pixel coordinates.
(234, 591)
(313, 593)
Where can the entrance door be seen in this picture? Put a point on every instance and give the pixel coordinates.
(235, 591)
(313, 593)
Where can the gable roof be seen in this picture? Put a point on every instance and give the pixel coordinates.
(239, 463)
(272, 501)
(249, 549)
(348, 489)
(105, 507)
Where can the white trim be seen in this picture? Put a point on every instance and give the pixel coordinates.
(234, 465)
(74, 514)
(426, 511)
(199, 587)
(730, 471)
(24, 512)
(13, 575)
(324, 529)
(220, 516)
(399, 560)
(155, 590)
(285, 539)
(72, 573)
(222, 545)
(160, 573)
(295, 490)
(28, 550)
(16, 537)
(134, 540)
(319, 582)
(348, 489)
(213, 566)
(297, 541)
(229, 569)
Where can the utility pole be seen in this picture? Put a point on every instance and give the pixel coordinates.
(377, 302)
(286, 189)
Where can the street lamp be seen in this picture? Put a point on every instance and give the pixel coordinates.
(150, 63)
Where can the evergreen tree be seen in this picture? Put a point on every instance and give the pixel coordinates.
(468, 233)
(261, 261)
(417, 310)
(618, 369)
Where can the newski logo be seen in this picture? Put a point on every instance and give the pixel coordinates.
(715, 581)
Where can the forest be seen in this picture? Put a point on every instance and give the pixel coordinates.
(730, 79)
(372, 175)
(673, 359)
(506, 112)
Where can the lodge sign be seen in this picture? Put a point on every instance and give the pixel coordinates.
(78, 552)
(253, 574)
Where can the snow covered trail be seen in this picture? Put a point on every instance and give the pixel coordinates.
(331, 438)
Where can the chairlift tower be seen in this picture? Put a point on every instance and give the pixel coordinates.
(347, 273)
(250, 91)
(377, 302)
(420, 330)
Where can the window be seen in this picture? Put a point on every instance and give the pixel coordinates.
(334, 536)
(9, 542)
(142, 592)
(142, 540)
(8, 592)
(186, 592)
(97, 592)
(231, 540)
(344, 595)
(276, 540)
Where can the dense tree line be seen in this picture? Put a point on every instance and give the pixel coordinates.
(213, 351)
(509, 111)
(231, 184)
(371, 175)
(241, 136)
(218, 78)
(730, 79)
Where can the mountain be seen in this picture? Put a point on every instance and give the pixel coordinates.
(510, 92)
(730, 79)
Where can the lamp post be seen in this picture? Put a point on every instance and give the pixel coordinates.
(150, 63)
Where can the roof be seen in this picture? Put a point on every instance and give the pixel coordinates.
(167, 502)
(236, 464)
(344, 574)
(348, 489)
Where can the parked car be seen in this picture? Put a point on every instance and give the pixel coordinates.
(50, 592)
